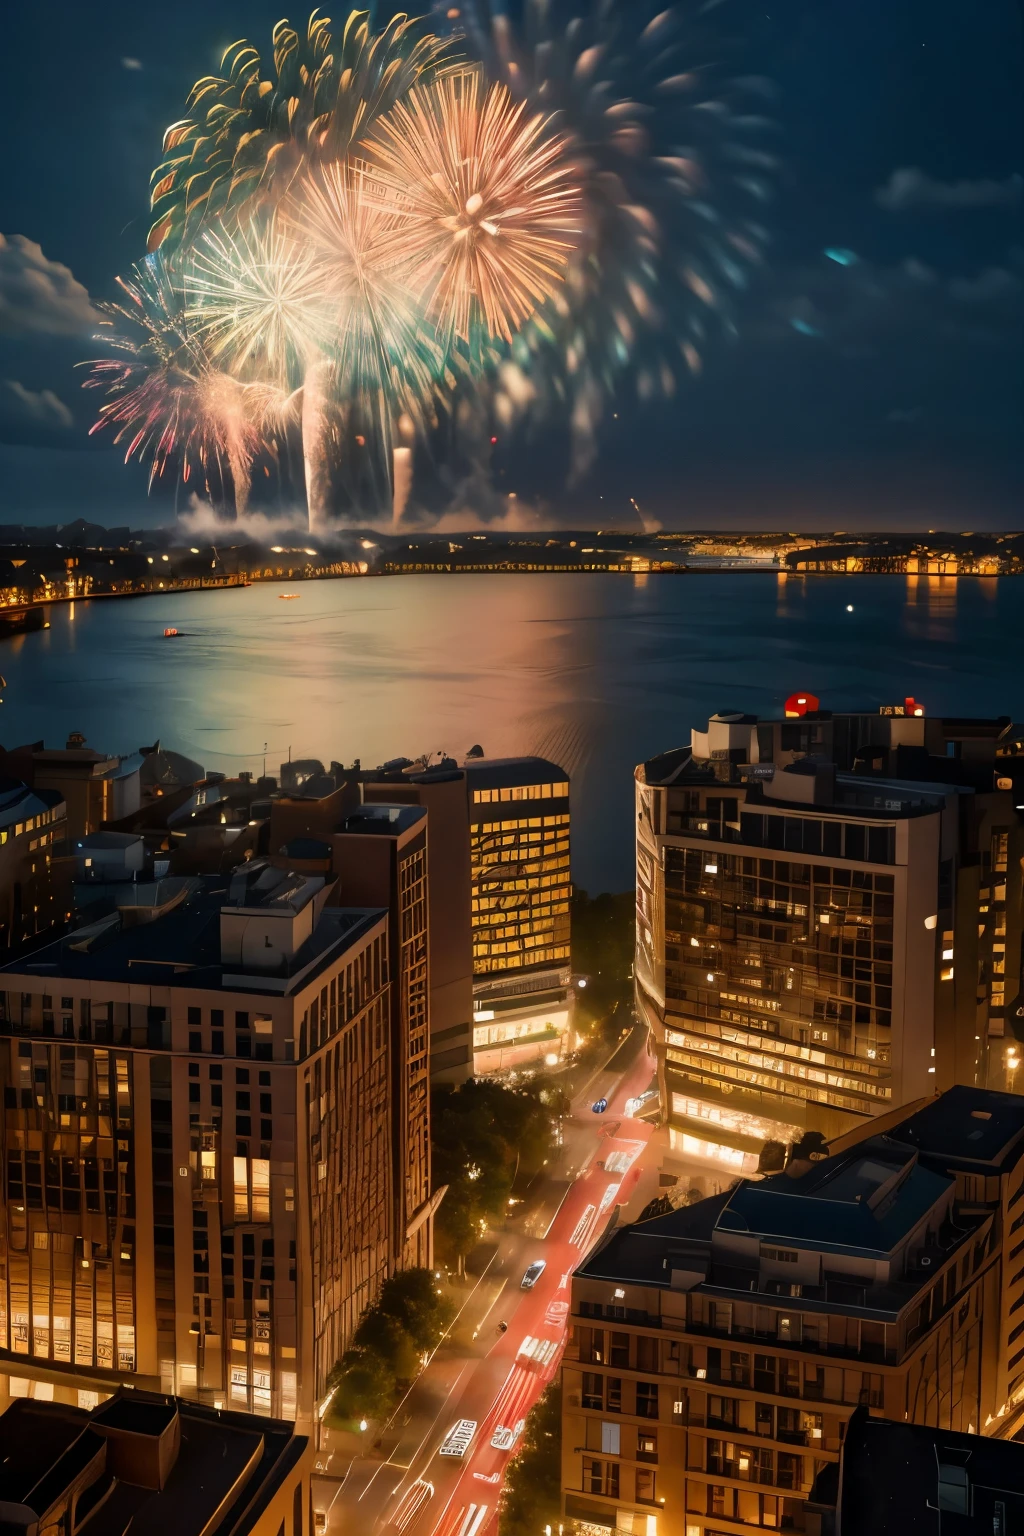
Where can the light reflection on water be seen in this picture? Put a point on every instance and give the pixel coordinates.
(596, 671)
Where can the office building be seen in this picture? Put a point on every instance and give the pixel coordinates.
(521, 900)
(908, 1480)
(809, 950)
(221, 1072)
(718, 1351)
(34, 893)
(149, 1464)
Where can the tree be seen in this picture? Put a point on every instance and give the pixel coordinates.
(485, 1137)
(603, 940)
(414, 1301)
(365, 1386)
(532, 1496)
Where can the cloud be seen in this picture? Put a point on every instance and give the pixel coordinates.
(32, 417)
(39, 297)
(909, 188)
(129, 63)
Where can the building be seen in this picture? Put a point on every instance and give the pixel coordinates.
(153, 1464)
(380, 857)
(222, 1071)
(908, 1480)
(521, 900)
(717, 1352)
(33, 895)
(809, 951)
(441, 790)
(96, 786)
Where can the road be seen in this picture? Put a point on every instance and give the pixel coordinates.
(416, 1490)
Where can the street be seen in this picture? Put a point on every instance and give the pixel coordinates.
(442, 1474)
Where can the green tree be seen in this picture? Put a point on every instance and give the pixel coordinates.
(485, 1138)
(414, 1300)
(365, 1386)
(532, 1496)
(603, 941)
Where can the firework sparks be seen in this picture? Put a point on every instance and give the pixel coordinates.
(169, 401)
(486, 206)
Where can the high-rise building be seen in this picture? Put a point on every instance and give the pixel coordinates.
(441, 789)
(380, 858)
(521, 899)
(221, 1073)
(828, 921)
(718, 1351)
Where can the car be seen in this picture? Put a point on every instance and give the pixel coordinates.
(533, 1274)
(457, 1441)
(505, 1436)
(600, 1107)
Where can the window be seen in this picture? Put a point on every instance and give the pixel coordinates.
(646, 1353)
(601, 1477)
(722, 1410)
(610, 1439)
(647, 1399)
(645, 1482)
(593, 1390)
(646, 1445)
(619, 1352)
(764, 1373)
(779, 1255)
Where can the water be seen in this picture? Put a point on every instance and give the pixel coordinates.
(597, 672)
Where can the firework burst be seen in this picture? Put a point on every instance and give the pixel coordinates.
(251, 130)
(170, 403)
(486, 206)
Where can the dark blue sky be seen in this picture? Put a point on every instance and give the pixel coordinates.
(884, 392)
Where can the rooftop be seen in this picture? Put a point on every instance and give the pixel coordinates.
(384, 820)
(511, 772)
(968, 1127)
(19, 803)
(909, 1480)
(182, 947)
(172, 1468)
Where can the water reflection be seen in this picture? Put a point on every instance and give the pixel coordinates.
(595, 671)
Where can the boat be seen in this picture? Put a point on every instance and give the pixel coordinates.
(288, 597)
(170, 633)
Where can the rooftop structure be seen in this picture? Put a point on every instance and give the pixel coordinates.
(153, 1464)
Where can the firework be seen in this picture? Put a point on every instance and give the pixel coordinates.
(255, 298)
(486, 206)
(385, 357)
(247, 136)
(674, 176)
(169, 401)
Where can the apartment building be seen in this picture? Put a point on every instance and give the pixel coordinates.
(521, 898)
(221, 1072)
(718, 1352)
(96, 786)
(809, 950)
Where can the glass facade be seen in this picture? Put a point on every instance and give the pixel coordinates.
(521, 891)
(778, 980)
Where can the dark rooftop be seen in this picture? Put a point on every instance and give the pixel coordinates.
(215, 1479)
(966, 1127)
(182, 947)
(909, 1480)
(384, 820)
(511, 772)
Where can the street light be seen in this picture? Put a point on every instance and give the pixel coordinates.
(362, 1424)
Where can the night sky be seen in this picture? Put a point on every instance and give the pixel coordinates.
(883, 389)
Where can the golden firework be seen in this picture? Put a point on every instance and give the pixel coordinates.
(486, 206)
